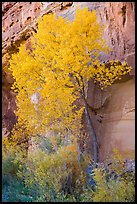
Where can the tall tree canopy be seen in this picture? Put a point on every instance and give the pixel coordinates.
(52, 77)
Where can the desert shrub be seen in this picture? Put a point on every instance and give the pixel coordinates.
(54, 176)
(115, 183)
(49, 176)
(41, 175)
(13, 161)
(15, 191)
(118, 190)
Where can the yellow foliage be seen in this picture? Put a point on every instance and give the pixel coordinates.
(54, 74)
(119, 190)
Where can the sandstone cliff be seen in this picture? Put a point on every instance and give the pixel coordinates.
(114, 122)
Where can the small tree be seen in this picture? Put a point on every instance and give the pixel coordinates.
(52, 76)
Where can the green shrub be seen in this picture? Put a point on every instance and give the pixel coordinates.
(54, 175)
(60, 177)
(13, 189)
(121, 189)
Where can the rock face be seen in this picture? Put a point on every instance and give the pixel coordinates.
(8, 107)
(115, 121)
(116, 129)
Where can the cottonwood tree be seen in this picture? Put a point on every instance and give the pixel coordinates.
(52, 76)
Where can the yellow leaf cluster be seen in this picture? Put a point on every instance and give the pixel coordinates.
(49, 78)
(107, 73)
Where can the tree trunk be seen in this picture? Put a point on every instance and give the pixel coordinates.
(92, 133)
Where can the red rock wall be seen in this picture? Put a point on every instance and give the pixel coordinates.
(117, 127)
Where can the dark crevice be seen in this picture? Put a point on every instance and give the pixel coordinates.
(124, 47)
(8, 5)
(106, 15)
(112, 40)
(13, 37)
(124, 14)
(34, 29)
(36, 9)
(112, 9)
(7, 38)
(11, 24)
(67, 5)
(49, 12)
(29, 18)
(118, 39)
(62, 7)
(132, 5)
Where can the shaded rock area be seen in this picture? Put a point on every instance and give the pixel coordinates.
(114, 122)
(8, 106)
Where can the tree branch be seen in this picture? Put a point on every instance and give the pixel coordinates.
(69, 86)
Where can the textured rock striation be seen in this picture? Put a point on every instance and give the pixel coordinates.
(114, 121)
